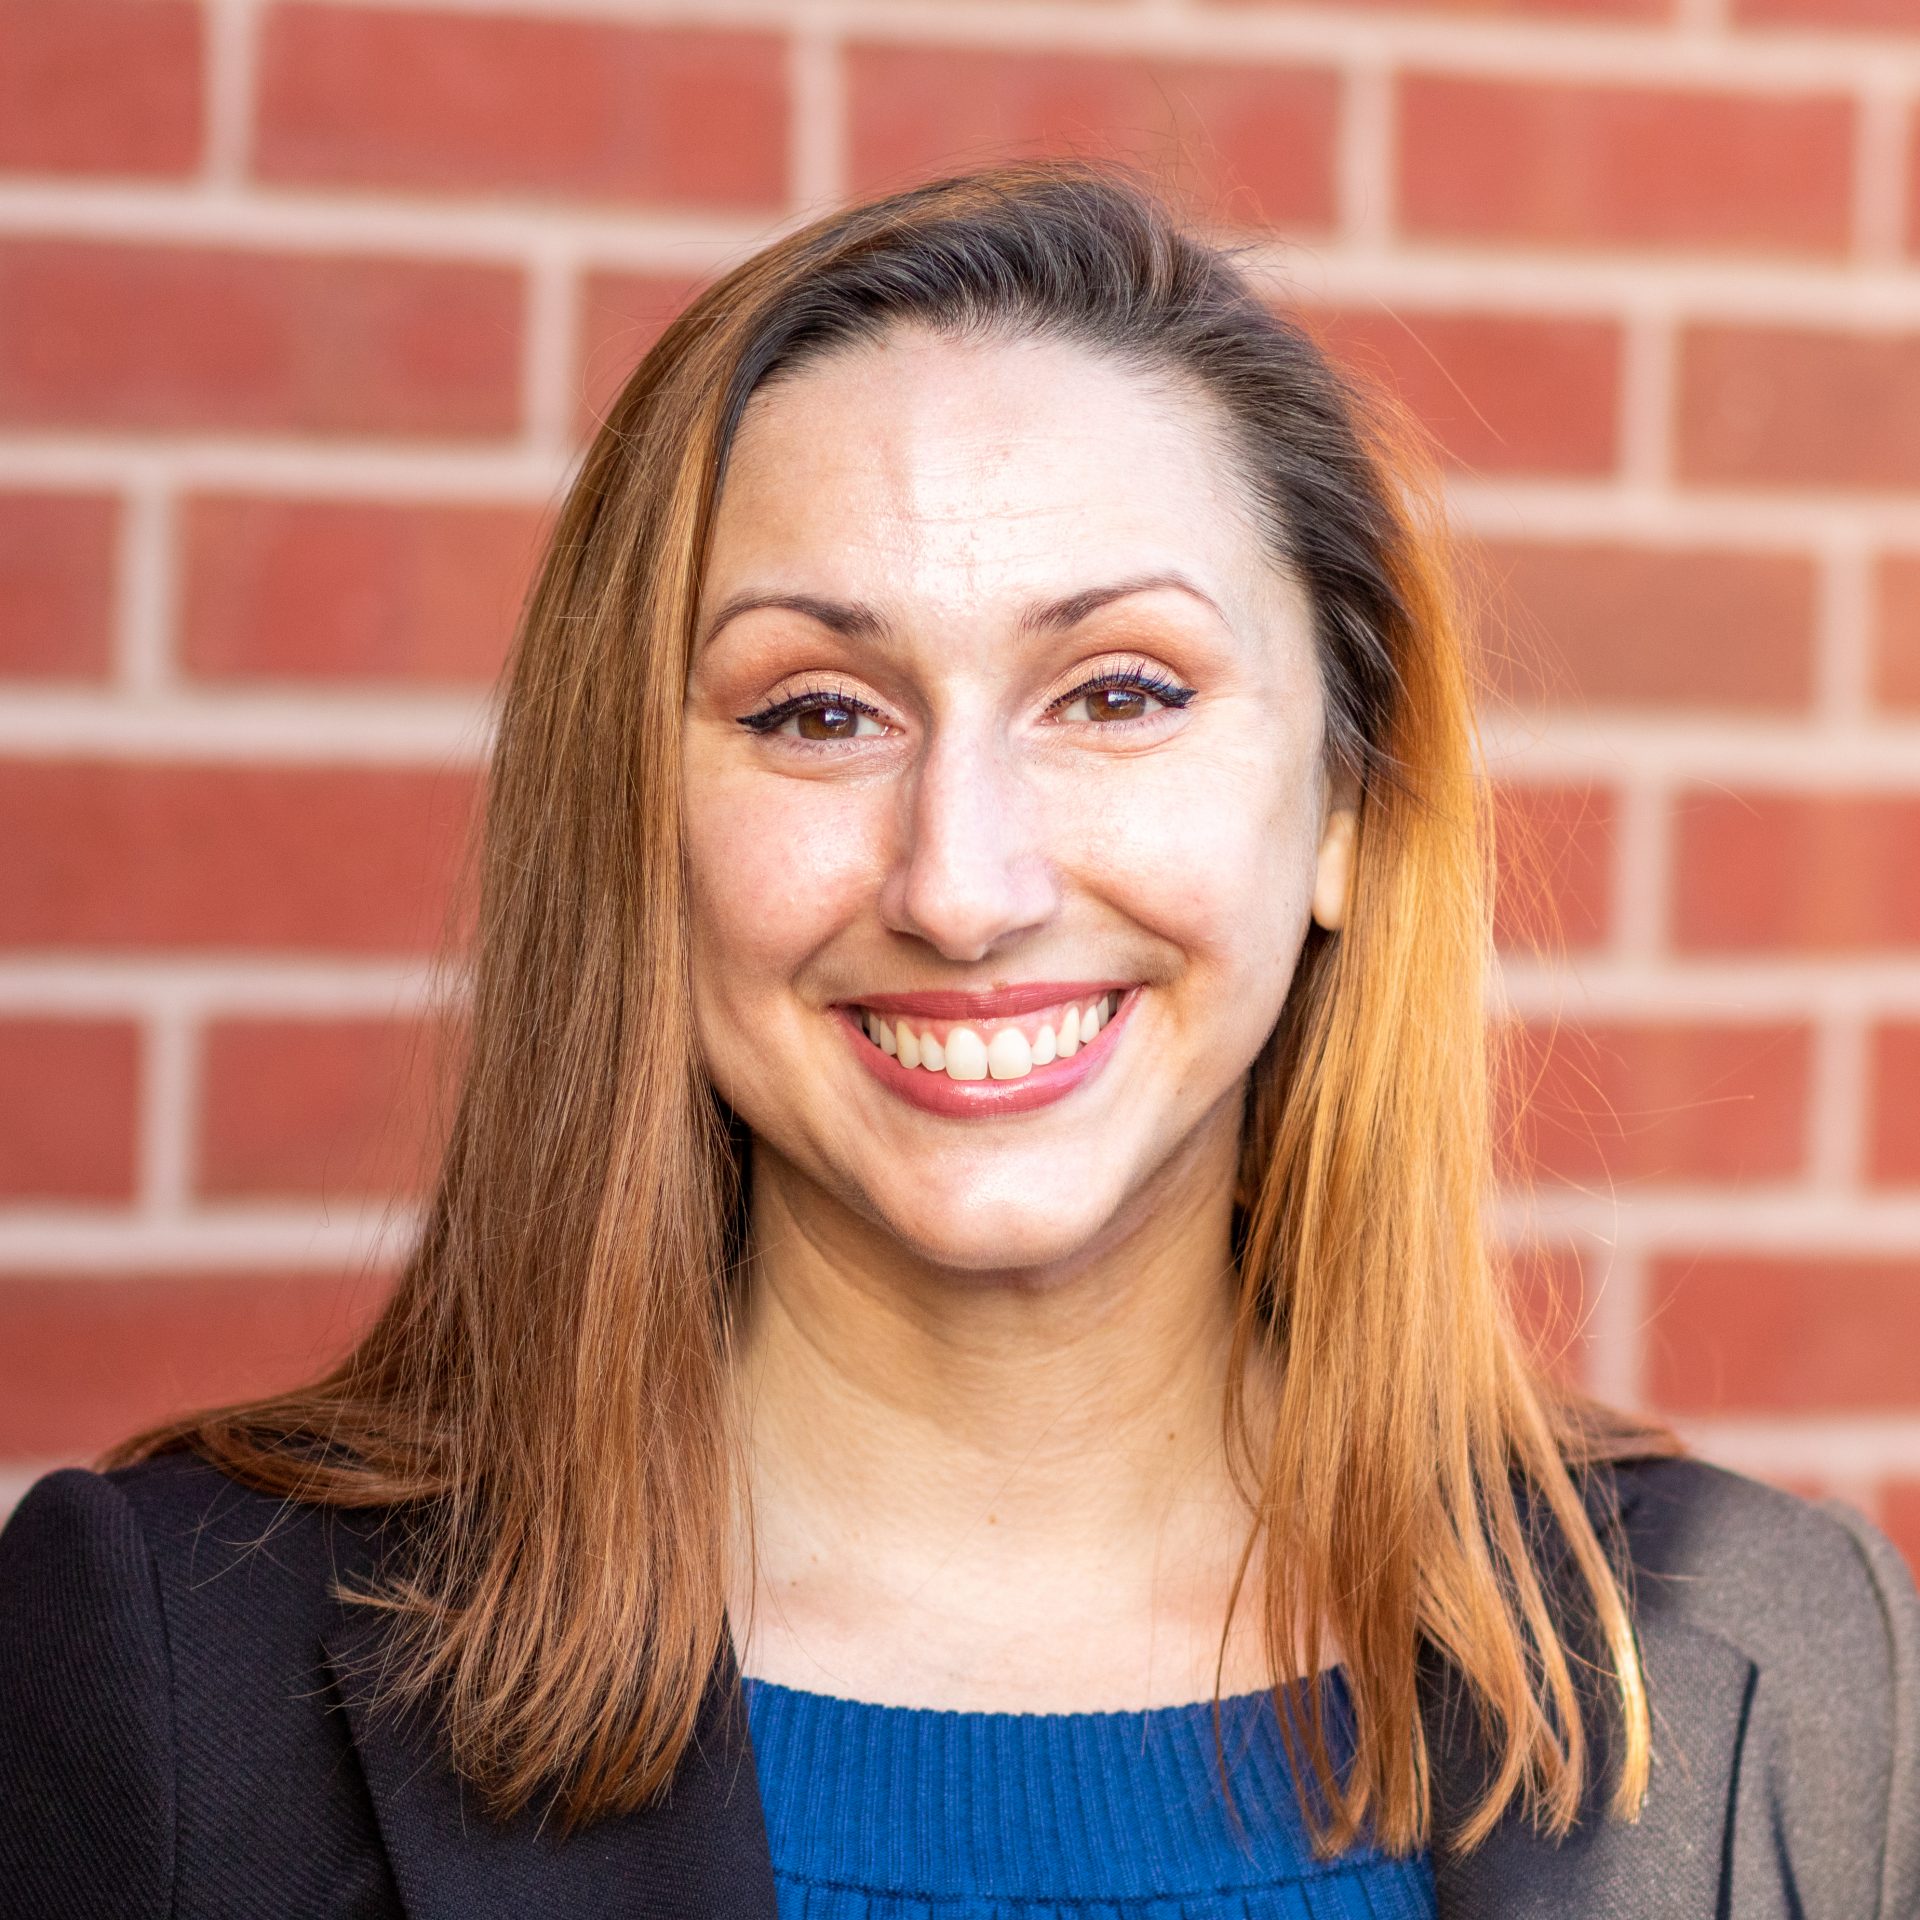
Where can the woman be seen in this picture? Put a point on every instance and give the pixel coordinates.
(959, 1251)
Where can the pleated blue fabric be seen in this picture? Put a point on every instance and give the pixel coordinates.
(921, 1813)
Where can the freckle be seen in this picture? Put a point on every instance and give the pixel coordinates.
(993, 1520)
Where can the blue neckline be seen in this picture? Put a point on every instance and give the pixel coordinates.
(940, 1803)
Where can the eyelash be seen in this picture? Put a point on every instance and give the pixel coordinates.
(1135, 679)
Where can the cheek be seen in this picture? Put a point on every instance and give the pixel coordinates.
(775, 868)
(1214, 853)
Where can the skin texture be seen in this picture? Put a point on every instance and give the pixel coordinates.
(981, 1367)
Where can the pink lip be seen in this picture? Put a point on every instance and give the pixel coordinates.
(976, 1099)
(994, 1003)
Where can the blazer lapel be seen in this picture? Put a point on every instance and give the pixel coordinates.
(698, 1854)
(1673, 1857)
(1699, 1688)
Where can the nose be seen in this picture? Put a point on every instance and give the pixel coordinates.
(972, 868)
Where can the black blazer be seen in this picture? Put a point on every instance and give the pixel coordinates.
(180, 1734)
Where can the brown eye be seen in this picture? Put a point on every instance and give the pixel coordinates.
(817, 718)
(827, 723)
(1116, 703)
(1117, 697)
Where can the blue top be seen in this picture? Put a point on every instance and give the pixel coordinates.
(921, 1813)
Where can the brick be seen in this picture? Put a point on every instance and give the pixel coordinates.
(96, 334)
(621, 316)
(469, 103)
(1623, 166)
(69, 1099)
(1554, 859)
(1900, 1519)
(1812, 872)
(352, 590)
(1609, 11)
(318, 1108)
(127, 855)
(1798, 406)
(100, 87)
(56, 585)
(1500, 393)
(1893, 1104)
(1548, 1289)
(1651, 1102)
(1609, 624)
(1896, 650)
(1883, 16)
(1243, 144)
(1760, 1334)
(86, 1359)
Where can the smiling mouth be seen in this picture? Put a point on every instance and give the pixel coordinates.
(1006, 1049)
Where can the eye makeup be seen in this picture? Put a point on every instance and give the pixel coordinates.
(1140, 679)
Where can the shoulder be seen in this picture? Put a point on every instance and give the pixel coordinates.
(161, 1654)
(215, 1558)
(1784, 1577)
(1824, 1611)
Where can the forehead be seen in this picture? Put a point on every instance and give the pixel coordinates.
(974, 476)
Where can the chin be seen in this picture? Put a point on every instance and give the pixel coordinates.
(1022, 1245)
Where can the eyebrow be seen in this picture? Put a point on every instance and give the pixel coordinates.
(856, 622)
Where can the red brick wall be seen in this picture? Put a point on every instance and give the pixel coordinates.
(303, 305)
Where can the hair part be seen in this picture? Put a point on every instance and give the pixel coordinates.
(544, 1393)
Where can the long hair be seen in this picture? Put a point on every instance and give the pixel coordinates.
(544, 1392)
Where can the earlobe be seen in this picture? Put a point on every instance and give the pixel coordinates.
(1333, 873)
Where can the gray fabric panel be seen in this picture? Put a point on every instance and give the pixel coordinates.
(1788, 1583)
(1900, 1606)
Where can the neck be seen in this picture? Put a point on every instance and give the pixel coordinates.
(946, 1466)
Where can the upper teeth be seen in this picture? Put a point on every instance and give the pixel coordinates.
(998, 1052)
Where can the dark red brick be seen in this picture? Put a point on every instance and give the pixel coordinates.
(129, 336)
(670, 116)
(56, 585)
(352, 589)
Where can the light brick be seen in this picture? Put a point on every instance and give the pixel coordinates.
(353, 590)
(1500, 393)
(1596, 1102)
(1548, 1289)
(98, 334)
(319, 1109)
(1896, 653)
(1570, 165)
(250, 859)
(1583, 625)
(86, 1359)
(1899, 1517)
(1245, 143)
(1554, 854)
(1798, 406)
(1603, 11)
(56, 585)
(1876, 16)
(621, 316)
(1893, 1104)
(1790, 871)
(1754, 1334)
(667, 116)
(100, 87)
(69, 1098)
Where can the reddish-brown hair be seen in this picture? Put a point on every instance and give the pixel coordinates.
(545, 1390)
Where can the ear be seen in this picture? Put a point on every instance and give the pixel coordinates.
(1333, 869)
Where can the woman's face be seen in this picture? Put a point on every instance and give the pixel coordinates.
(999, 715)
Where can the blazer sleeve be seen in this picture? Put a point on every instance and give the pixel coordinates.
(1900, 1616)
(87, 1775)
